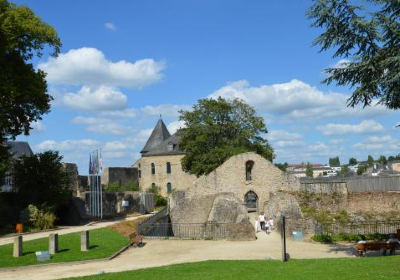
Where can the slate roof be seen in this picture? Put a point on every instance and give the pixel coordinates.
(169, 146)
(19, 148)
(160, 134)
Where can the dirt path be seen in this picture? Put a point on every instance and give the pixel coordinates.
(65, 230)
(167, 252)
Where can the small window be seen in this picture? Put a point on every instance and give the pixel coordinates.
(140, 174)
(168, 168)
(153, 169)
(170, 146)
(153, 185)
(169, 187)
(139, 165)
(249, 167)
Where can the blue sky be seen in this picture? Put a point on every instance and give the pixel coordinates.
(125, 62)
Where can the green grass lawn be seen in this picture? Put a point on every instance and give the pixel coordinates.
(349, 268)
(103, 243)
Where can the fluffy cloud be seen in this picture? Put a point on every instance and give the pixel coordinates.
(68, 145)
(126, 114)
(38, 126)
(295, 101)
(174, 126)
(101, 125)
(386, 144)
(88, 66)
(281, 139)
(365, 127)
(96, 99)
(167, 110)
(110, 26)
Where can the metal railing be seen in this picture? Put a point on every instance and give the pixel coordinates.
(370, 227)
(188, 230)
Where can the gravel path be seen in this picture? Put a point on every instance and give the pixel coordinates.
(166, 252)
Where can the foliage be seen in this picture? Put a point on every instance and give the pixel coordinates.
(103, 243)
(317, 268)
(361, 169)
(345, 169)
(382, 160)
(23, 97)
(370, 161)
(368, 39)
(217, 129)
(38, 218)
(334, 162)
(116, 187)
(309, 170)
(353, 161)
(351, 237)
(41, 178)
(282, 166)
(158, 198)
(392, 158)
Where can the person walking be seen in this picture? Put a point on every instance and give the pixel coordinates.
(262, 220)
(256, 225)
(271, 224)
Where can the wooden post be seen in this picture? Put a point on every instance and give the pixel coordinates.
(17, 252)
(283, 238)
(85, 240)
(53, 243)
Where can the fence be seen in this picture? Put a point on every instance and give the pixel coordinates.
(187, 230)
(371, 227)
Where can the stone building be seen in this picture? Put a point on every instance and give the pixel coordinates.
(160, 164)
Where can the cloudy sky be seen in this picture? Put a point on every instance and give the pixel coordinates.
(123, 63)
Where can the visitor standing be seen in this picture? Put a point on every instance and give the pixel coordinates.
(257, 225)
(271, 223)
(262, 220)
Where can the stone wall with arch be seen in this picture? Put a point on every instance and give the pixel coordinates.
(233, 177)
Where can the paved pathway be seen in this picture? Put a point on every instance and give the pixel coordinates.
(167, 252)
(65, 230)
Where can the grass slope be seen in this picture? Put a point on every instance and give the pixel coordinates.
(349, 268)
(103, 243)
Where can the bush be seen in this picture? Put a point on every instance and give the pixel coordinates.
(158, 198)
(115, 187)
(37, 218)
(324, 238)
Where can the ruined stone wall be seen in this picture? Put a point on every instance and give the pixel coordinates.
(323, 187)
(179, 179)
(120, 175)
(112, 202)
(282, 204)
(230, 177)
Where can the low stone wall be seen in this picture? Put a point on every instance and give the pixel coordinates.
(112, 202)
(282, 204)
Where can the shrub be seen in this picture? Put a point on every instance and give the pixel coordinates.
(37, 218)
(158, 198)
(322, 238)
(115, 187)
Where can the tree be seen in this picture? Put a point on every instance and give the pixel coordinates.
(23, 97)
(309, 170)
(370, 161)
(217, 129)
(282, 166)
(368, 41)
(382, 160)
(345, 169)
(361, 169)
(334, 162)
(353, 161)
(41, 179)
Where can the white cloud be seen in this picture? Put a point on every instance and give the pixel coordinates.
(174, 126)
(110, 26)
(275, 135)
(38, 126)
(295, 101)
(167, 110)
(101, 125)
(342, 63)
(127, 113)
(68, 145)
(385, 144)
(337, 141)
(365, 127)
(96, 99)
(88, 66)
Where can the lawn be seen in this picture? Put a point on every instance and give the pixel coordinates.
(349, 268)
(103, 243)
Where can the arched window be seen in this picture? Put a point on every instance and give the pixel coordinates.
(169, 187)
(153, 185)
(153, 169)
(249, 167)
(168, 168)
(140, 173)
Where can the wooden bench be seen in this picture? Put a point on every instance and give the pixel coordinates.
(136, 239)
(362, 248)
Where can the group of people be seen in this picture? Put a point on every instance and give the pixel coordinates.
(261, 223)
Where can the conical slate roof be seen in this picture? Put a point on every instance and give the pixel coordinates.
(159, 134)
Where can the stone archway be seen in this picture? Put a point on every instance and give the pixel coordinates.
(251, 201)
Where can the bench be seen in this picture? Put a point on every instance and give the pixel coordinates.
(362, 248)
(136, 239)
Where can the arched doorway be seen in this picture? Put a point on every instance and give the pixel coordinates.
(251, 201)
